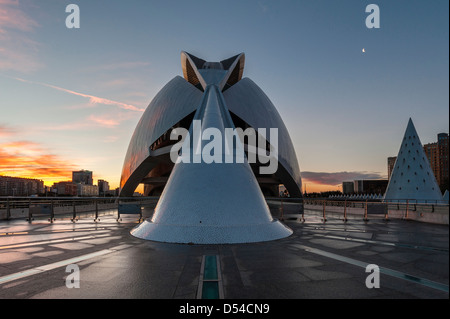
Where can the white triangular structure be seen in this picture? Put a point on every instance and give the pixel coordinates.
(412, 177)
(446, 196)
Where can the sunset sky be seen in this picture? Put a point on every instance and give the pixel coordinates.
(71, 98)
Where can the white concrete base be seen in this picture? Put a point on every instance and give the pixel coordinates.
(211, 204)
(209, 234)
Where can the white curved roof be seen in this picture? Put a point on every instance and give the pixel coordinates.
(180, 97)
(251, 104)
(176, 100)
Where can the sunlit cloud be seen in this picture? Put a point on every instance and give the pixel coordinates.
(17, 49)
(110, 139)
(92, 121)
(6, 130)
(31, 160)
(12, 17)
(92, 99)
(105, 122)
(119, 65)
(336, 178)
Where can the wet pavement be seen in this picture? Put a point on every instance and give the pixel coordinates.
(321, 260)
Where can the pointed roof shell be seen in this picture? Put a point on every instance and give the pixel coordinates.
(412, 177)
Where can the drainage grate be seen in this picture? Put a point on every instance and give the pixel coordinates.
(210, 283)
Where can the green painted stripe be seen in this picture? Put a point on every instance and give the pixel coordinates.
(210, 279)
(210, 268)
(210, 290)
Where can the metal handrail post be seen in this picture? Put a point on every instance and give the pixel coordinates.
(345, 210)
(29, 214)
(74, 212)
(386, 217)
(52, 212)
(8, 210)
(140, 211)
(96, 210)
(365, 211)
(118, 210)
(407, 207)
(324, 217)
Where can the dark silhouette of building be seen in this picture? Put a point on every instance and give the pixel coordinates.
(65, 188)
(437, 154)
(103, 187)
(370, 186)
(18, 186)
(83, 177)
(391, 164)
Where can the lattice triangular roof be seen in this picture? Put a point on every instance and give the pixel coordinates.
(412, 177)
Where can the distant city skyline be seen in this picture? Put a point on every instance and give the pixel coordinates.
(71, 98)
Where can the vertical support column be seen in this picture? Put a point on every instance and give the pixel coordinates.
(52, 212)
(407, 208)
(140, 210)
(324, 219)
(118, 209)
(8, 210)
(386, 216)
(365, 211)
(303, 214)
(345, 210)
(29, 213)
(74, 212)
(96, 210)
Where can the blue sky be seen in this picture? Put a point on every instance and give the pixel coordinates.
(71, 98)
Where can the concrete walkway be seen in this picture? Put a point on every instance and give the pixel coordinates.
(319, 261)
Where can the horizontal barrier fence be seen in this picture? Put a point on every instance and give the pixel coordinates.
(74, 208)
(433, 212)
(286, 208)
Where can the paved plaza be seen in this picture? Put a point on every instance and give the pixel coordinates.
(321, 260)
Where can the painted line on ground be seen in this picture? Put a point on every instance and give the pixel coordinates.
(378, 242)
(44, 268)
(386, 271)
(52, 241)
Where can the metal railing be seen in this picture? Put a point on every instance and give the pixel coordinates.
(74, 208)
(286, 207)
(404, 209)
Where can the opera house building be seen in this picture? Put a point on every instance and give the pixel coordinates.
(204, 200)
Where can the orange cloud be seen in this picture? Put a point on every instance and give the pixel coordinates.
(31, 160)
